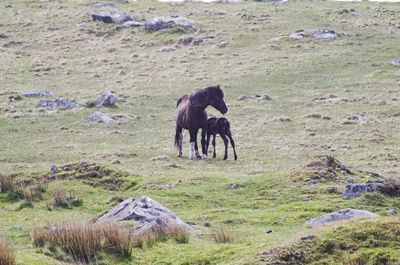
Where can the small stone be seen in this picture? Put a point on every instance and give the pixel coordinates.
(340, 215)
(234, 186)
(105, 4)
(54, 170)
(307, 237)
(395, 62)
(392, 212)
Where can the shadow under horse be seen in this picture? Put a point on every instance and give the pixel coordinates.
(191, 115)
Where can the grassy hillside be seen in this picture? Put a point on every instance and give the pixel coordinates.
(55, 46)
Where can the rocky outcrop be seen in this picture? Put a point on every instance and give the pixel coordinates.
(148, 212)
(319, 34)
(354, 190)
(111, 17)
(38, 94)
(103, 118)
(60, 103)
(166, 22)
(340, 215)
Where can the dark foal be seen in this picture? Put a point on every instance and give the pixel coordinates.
(222, 127)
(191, 115)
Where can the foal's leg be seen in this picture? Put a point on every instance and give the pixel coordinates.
(213, 143)
(232, 143)
(193, 135)
(208, 141)
(203, 142)
(226, 142)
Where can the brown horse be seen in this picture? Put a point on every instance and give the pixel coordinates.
(191, 115)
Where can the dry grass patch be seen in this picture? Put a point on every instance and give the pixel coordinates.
(118, 240)
(61, 199)
(7, 256)
(222, 236)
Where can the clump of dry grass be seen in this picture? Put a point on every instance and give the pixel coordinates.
(11, 186)
(178, 233)
(82, 241)
(391, 187)
(221, 235)
(79, 240)
(61, 199)
(7, 256)
(118, 240)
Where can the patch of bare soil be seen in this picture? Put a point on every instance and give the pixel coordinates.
(322, 169)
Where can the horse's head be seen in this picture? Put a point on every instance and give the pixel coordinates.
(216, 98)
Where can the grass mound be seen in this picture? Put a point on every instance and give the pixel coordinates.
(360, 242)
(323, 168)
(98, 176)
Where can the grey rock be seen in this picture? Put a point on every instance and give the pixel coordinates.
(105, 4)
(307, 237)
(148, 212)
(166, 22)
(234, 186)
(132, 23)
(38, 94)
(106, 99)
(392, 212)
(354, 190)
(59, 103)
(98, 117)
(340, 215)
(395, 62)
(319, 34)
(103, 118)
(54, 170)
(111, 17)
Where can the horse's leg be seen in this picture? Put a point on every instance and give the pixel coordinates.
(193, 134)
(196, 148)
(226, 142)
(178, 139)
(232, 143)
(213, 143)
(203, 142)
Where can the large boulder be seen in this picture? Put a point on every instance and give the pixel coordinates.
(144, 210)
(106, 99)
(354, 190)
(59, 103)
(340, 215)
(166, 22)
(111, 17)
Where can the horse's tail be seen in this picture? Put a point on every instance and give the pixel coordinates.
(179, 100)
(178, 133)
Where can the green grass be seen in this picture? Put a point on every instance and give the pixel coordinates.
(55, 46)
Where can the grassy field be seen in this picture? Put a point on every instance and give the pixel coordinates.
(55, 46)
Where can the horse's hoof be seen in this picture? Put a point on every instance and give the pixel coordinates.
(179, 155)
(225, 158)
(235, 157)
(204, 156)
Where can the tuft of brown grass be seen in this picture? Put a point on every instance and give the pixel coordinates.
(11, 186)
(80, 240)
(7, 256)
(178, 233)
(60, 197)
(39, 236)
(222, 236)
(391, 187)
(118, 240)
